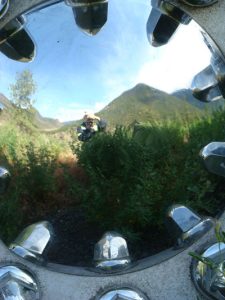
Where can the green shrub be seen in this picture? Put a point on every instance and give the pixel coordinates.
(33, 192)
(115, 164)
(134, 177)
(10, 216)
(125, 179)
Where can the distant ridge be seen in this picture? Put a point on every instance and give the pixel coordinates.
(46, 123)
(143, 103)
(186, 95)
(5, 102)
(40, 122)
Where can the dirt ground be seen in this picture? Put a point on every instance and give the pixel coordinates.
(75, 240)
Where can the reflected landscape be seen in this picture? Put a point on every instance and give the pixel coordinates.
(101, 131)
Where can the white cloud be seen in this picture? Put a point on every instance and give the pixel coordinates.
(167, 68)
(76, 112)
(68, 114)
(175, 64)
(99, 106)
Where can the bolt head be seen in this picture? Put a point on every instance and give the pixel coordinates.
(122, 294)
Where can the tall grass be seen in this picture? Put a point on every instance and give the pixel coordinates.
(134, 177)
(34, 192)
(123, 180)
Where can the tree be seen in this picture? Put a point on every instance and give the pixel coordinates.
(23, 90)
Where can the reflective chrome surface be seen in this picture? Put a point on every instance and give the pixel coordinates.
(199, 3)
(211, 280)
(32, 241)
(215, 252)
(197, 231)
(4, 5)
(111, 252)
(122, 294)
(205, 86)
(77, 285)
(15, 41)
(163, 21)
(17, 284)
(185, 226)
(218, 66)
(11, 29)
(218, 283)
(75, 74)
(182, 218)
(213, 156)
(90, 16)
(5, 179)
(208, 85)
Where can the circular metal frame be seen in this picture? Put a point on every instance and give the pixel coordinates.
(25, 6)
(199, 3)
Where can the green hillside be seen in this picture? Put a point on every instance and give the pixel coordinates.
(46, 123)
(4, 102)
(39, 122)
(146, 104)
(186, 95)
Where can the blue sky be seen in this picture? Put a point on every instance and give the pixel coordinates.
(77, 73)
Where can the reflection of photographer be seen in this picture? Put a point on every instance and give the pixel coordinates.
(90, 126)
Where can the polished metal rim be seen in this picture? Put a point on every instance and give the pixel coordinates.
(199, 3)
(4, 9)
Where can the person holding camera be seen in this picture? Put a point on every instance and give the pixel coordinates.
(90, 126)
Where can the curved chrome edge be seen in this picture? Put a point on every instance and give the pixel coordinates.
(208, 275)
(185, 226)
(15, 26)
(96, 283)
(208, 85)
(81, 3)
(4, 8)
(199, 3)
(113, 264)
(197, 231)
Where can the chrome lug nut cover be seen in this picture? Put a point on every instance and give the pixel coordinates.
(213, 156)
(122, 294)
(111, 252)
(16, 283)
(32, 241)
(209, 279)
(185, 226)
(163, 22)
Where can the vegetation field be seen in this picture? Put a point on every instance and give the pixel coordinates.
(123, 180)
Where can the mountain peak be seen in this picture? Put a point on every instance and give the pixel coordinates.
(143, 103)
(141, 86)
